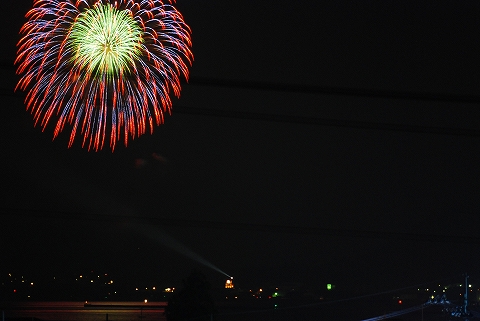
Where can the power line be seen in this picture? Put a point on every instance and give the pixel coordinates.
(303, 120)
(326, 122)
(318, 89)
(236, 226)
(333, 90)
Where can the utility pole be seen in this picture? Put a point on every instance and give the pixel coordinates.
(465, 298)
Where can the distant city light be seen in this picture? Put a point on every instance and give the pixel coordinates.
(145, 301)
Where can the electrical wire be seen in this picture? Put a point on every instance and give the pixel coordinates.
(238, 226)
(295, 119)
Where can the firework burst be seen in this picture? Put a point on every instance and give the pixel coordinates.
(102, 67)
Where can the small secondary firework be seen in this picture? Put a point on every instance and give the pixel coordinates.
(102, 67)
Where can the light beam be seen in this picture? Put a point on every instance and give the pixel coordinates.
(163, 238)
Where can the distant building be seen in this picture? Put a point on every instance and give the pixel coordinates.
(229, 284)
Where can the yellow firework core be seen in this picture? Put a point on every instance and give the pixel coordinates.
(105, 40)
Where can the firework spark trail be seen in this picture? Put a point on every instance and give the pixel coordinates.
(102, 66)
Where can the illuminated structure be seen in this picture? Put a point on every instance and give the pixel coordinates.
(229, 283)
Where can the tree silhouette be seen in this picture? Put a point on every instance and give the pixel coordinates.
(194, 302)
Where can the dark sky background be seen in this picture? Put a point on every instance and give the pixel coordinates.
(323, 141)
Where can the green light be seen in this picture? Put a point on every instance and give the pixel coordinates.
(105, 40)
(329, 286)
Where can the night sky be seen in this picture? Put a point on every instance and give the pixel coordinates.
(322, 141)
